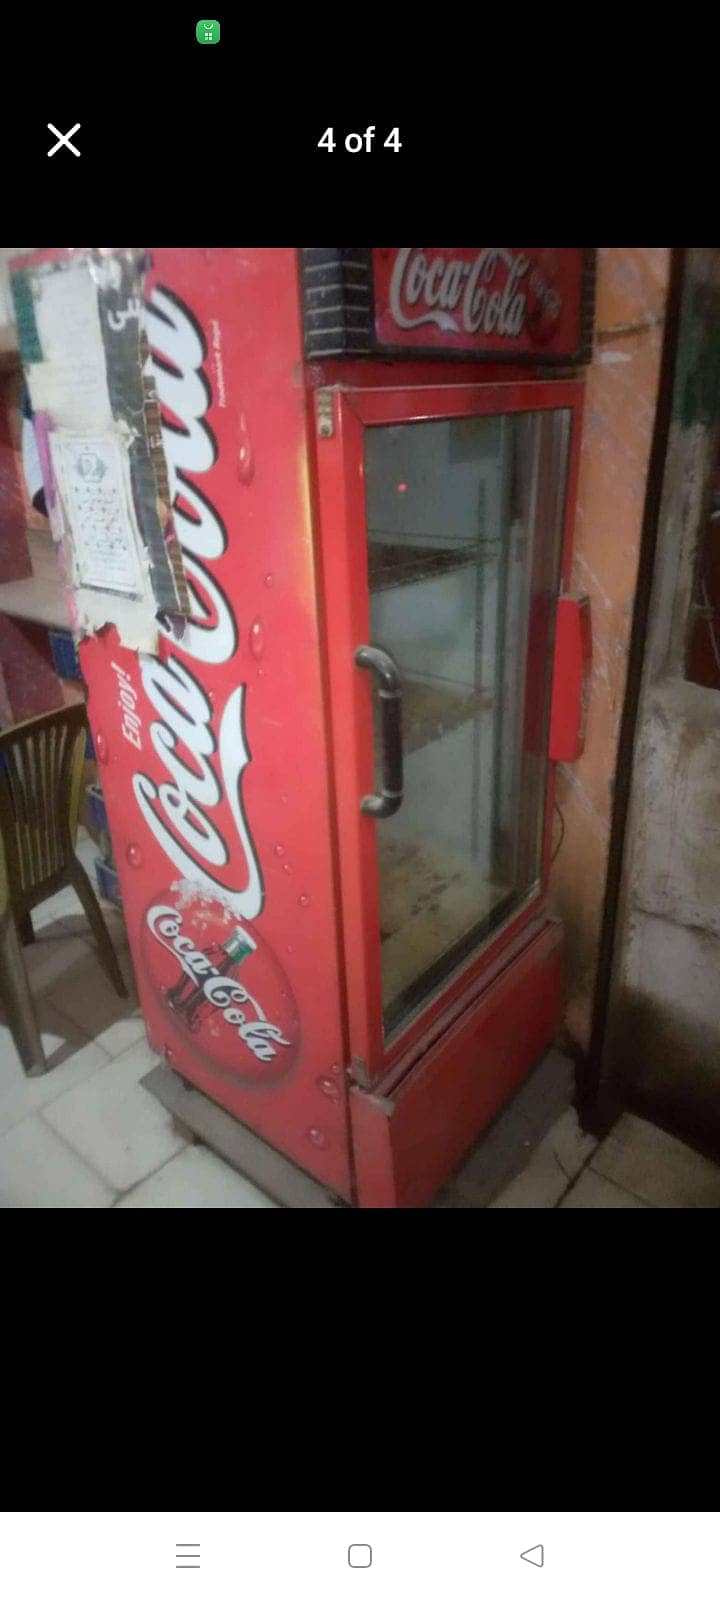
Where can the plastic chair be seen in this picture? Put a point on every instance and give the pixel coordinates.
(41, 769)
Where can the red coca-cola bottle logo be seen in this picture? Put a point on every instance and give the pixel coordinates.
(544, 303)
(225, 992)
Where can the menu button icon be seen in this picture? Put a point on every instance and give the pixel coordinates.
(187, 1557)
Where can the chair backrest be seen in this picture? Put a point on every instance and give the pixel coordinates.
(4, 886)
(41, 763)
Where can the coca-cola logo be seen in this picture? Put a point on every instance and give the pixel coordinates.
(485, 294)
(224, 990)
(202, 764)
(490, 292)
(207, 982)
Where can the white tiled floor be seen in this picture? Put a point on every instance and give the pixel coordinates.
(197, 1180)
(37, 1169)
(594, 1193)
(114, 1124)
(554, 1164)
(637, 1167)
(87, 1134)
(658, 1169)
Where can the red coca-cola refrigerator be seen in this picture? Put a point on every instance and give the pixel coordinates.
(315, 511)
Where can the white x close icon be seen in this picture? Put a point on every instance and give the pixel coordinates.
(63, 138)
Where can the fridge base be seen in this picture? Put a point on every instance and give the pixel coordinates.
(409, 1140)
(234, 1143)
(409, 1137)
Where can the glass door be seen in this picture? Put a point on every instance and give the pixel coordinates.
(458, 540)
(463, 545)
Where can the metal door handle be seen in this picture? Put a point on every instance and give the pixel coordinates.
(390, 798)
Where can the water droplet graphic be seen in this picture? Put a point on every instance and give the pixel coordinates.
(134, 855)
(101, 749)
(303, 900)
(328, 1087)
(317, 1137)
(246, 464)
(269, 581)
(279, 850)
(287, 868)
(257, 638)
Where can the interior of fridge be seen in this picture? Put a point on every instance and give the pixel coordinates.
(464, 526)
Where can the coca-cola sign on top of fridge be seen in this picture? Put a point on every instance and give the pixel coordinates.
(528, 305)
(499, 301)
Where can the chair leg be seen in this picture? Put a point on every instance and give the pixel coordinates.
(25, 929)
(91, 906)
(19, 1001)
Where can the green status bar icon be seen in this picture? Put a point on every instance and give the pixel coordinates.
(207, 32)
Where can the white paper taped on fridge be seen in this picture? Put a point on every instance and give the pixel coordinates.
(92, 474)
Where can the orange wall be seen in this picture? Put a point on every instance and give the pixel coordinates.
(619, 416)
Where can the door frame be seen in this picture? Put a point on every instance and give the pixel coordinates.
(342, 414)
